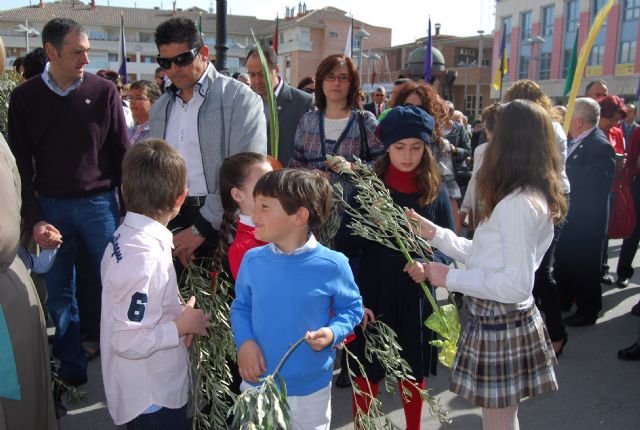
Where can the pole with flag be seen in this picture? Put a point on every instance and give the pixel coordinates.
(275, 37)
(348, 47)
(571, 67)
(199, 27)
(428, 57)
(122, 53)
(503, 67)
(582, 60)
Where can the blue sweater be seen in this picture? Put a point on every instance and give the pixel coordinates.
(281, 297)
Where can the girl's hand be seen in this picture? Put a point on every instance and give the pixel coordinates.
(337, 164)
(416, 271)
(367, 318)
(423, 227)
(437, 274)
(319, 339)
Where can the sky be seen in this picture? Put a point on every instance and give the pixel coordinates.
(408, 19)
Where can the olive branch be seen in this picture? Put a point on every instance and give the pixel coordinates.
(379, 219)
(210, 356)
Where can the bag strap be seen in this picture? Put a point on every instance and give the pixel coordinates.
(365, 153)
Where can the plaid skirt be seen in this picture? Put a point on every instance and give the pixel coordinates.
(504, 355)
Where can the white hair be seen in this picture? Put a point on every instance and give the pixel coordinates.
(587, 109)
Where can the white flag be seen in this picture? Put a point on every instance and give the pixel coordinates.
(348, 44)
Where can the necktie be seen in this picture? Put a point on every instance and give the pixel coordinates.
(379, 111)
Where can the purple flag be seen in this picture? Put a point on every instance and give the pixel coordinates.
(122, 53)
(428, 58)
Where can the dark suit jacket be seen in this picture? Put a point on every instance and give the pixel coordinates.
(371, 107)
(292, 104)
(590, 168)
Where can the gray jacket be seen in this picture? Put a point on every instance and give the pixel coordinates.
(230, 121)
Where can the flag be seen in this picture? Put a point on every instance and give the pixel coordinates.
(582, 60)
(199, 27)
(571, 67)
(503, 67)
(275, 37)
(348, 47)
(428, 58)
(122, 54)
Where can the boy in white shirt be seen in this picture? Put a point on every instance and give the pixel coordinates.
(145, 329)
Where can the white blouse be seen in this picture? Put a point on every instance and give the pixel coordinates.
(501, 260)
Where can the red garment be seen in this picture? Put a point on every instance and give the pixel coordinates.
(405, 182)
(631, 168)
(245, 240)
(616, 137)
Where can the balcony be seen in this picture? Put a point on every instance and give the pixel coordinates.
(294, 45)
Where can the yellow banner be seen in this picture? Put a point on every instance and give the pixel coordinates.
(582, 60)
(625, 69)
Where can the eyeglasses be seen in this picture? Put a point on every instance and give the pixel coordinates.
(341, 78)
(136, 99)
(181, 60)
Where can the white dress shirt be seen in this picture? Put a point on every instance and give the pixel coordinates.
(182, 134)
(144, 362)
(506, 250)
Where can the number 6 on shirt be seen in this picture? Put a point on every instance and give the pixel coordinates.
(136, 308)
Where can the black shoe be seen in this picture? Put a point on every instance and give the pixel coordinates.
(343, 380)
(631, 353)
(606, 279)
(622, 282)
(635, 310)
(564, 343)
(579, 320)
(73, 382)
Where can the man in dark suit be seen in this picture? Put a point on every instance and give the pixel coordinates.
(378, 105)
(590, 167)
(292, 103)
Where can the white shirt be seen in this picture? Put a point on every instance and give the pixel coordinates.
(309, 245)
(144, 362)
(182, 134)
(578, 140)
(333, 128)
(561, 144)
(506, 250)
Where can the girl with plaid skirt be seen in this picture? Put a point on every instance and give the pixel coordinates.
(504, 353)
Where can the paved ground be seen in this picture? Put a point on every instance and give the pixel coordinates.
(597, 391)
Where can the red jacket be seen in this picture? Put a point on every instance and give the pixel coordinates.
(244, 240)
(616, 137)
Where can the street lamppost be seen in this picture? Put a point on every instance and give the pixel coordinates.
(27, 31)
(480, 59)
(533, 41)
(361, 35)
(465, 64)
(375, 57)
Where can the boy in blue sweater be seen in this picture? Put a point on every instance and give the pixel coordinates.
(287, 289)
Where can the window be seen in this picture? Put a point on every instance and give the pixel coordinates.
(572, 15)
(631, 10)
(595, 7)
(627, 52)
(544, 71)
(113, 58)
(597, 55)
(525, 25)
(470, 107)
(149, 59)
(145, 37)
(333, 34)
(523, 71)
(547, 21)
(506, 25)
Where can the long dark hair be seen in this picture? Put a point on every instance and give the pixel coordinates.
(324, 68)
(427, 177)
(522, 156)
(233, 172)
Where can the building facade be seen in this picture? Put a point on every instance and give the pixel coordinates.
(305, 37)
(540, 35)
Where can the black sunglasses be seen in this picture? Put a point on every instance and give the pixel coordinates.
(181, 60)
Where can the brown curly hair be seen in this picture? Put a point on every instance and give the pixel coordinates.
(528, 90)
(431, 103)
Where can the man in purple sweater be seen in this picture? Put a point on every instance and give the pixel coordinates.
(68, 134)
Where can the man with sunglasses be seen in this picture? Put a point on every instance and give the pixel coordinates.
(378, 104)
(292, 103)
(207, 117)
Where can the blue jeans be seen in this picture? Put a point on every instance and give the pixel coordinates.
(91, 220)
(164, 419)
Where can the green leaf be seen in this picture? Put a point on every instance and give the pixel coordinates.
(274, 124)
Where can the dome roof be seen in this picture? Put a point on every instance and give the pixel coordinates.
(416, 60)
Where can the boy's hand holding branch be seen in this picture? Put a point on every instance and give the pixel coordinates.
(192, 321)
(251, 361)
(319, 339)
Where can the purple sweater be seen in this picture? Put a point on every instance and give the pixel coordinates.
(66, 147)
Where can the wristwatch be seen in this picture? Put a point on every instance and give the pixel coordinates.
(195, 231)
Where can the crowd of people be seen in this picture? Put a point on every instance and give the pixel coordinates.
(121, 187)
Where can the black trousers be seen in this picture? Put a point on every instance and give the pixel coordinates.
(630, 244)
